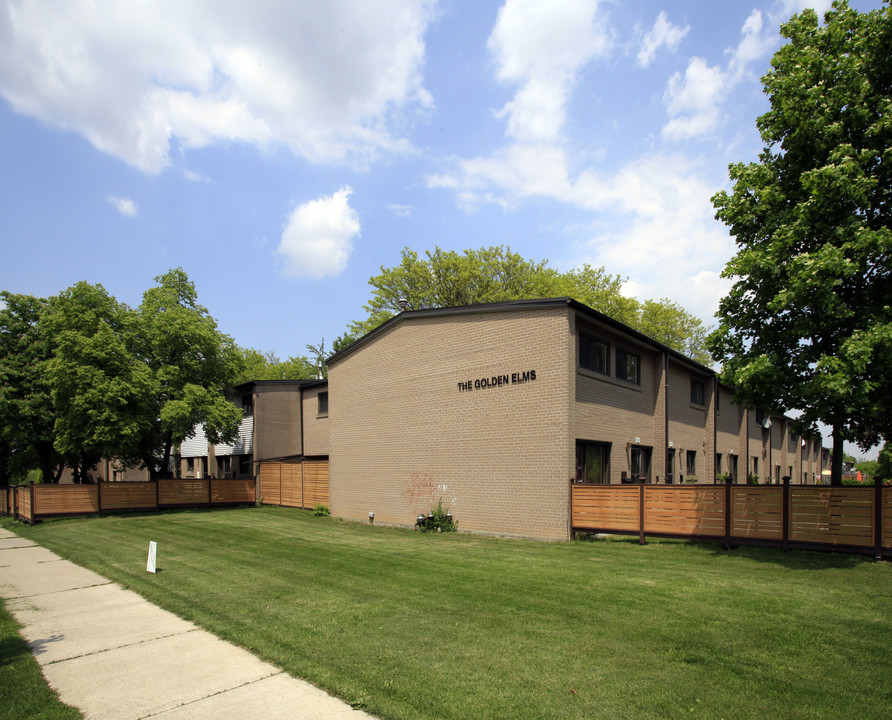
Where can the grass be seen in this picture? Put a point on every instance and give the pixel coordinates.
(23, 689)
(424, 625)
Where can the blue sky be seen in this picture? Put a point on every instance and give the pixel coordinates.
(282, 151)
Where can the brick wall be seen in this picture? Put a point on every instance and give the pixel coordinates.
(316, 428)
(404, 433)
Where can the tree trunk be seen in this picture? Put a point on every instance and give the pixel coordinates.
(836, 459)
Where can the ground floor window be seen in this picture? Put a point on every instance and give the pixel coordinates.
(691, 469)
(670, 467)
(732, 467)
(640, 460)
(592, 462)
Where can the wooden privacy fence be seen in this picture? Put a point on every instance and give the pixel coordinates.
(300, 484)
(842, 518)
(35, 502)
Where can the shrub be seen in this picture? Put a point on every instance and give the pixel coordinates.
(752, 479)
(321, 510)
(691, 479)
(439, 519)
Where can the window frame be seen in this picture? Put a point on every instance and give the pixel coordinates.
(586, 360)
(622, 366)
(322, 404)
(698, 392)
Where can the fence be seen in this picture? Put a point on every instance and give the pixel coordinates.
(300, 484)
(840, 518)
(35, 502)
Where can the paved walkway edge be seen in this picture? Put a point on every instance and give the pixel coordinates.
(115, 656)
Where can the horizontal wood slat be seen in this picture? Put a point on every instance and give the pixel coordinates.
(184, 492)
(232, 491)
(270, 483)
(757, 512)
(315, 483)
(601, 507)
(65, 499)
(832, 515)
(292, 485)
(886, 505)
(817, 515)
(684, 510)
(128, 496)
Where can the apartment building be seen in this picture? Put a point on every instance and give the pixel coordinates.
(496, 409)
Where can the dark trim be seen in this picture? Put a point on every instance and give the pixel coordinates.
(271, 383)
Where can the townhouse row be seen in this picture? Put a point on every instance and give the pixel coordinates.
(495, 410)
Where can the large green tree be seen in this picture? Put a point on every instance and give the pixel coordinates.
(446, 278)
(100, 387)
(26, 409)
(191, 364)
(807, 324)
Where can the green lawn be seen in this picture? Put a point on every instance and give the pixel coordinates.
(412, 625)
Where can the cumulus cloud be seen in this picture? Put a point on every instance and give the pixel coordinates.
(123, 205)
(318, 237)
(662, 34)
(541, 47)
(332, 81)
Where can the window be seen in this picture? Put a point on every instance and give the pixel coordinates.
(628, 367)
(594, 354)
(323, 403)
(718, 463)
(640, 458)
(190, 467)
(592, 463)
(248, 405)
(698, 395)
(755, 466)
(732, 467)
(691, 468)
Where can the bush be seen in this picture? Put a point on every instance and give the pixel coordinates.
(691, 479)
(321, 510)
(438, 519)
(752, 479)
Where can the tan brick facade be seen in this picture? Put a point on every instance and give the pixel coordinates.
(490, 410)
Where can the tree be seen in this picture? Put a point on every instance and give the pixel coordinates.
(191, 363)
(495, 274)
(807, 324)
(100, 388)
(267, 366)
(26, 409)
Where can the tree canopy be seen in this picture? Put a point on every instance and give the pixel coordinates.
(807, 324)
(85, 378)
(446, 278)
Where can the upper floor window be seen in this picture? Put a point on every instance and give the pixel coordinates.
(323, 403)
(628, 367)
(698, 394)
(248, 405)
(594, 354)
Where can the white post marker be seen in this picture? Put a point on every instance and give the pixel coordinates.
(153, 551)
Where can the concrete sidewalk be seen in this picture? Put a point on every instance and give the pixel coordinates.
(112, 654)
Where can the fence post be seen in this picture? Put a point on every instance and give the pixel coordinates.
(878, 518)
(33, 510)
(785, 542)
(728, 513)
(641, 512)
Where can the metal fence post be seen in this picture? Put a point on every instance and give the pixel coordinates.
(641, 512)
(728, 513)
(785, 542)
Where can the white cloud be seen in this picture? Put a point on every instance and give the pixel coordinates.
(402, 211)
(662, 34)
(123, 205)
(693, 99)
(541, 47)
(193, 176)
(332, 81)
(318, 237)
